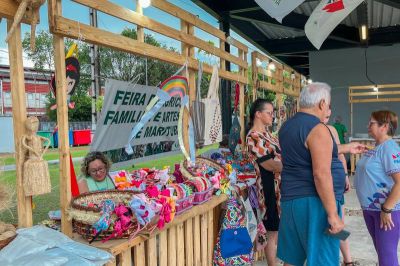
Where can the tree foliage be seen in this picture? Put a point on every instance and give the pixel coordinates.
(113, 64)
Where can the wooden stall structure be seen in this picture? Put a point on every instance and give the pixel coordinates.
(283, 80)
(369, 94)
(8, 9)
(193, 231)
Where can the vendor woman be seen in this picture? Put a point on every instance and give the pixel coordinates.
(95, 168)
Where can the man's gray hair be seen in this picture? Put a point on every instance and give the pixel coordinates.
(313, 94)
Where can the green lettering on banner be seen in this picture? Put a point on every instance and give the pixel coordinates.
(157, 117)
(166, 117)
(124, 118)
(151, 98)
(175, 116)
(136, 116)
(127, 96)
(115, 119)
(118, 96)
(147, 132)
(109, 116)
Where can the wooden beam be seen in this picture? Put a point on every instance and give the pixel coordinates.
(8, 9)
(139, 30)
(62, 122)
(195, 21)
(384, 86)
(374, 93)
(379, 100)
(143, 21)
(24, 204)
(69, 28)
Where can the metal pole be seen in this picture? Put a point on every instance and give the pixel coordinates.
(95, 70)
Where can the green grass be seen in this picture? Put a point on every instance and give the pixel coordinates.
(45, 203)
(51, 154)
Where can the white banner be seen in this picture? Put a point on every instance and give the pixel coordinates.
(278, 9)
(124, 105)
(325, 17)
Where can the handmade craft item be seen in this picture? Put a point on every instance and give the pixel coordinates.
(36, 177)
(175, 86)
(72, 73)
(197, 111)
(234, 133)
(212, 114)
(24, 6)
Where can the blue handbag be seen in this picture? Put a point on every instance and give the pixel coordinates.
(235, 242)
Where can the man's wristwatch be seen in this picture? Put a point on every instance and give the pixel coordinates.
(383, 209)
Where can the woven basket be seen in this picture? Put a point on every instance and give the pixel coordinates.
(88, 233)
(84, 217)
(189, 174)
(7, 241)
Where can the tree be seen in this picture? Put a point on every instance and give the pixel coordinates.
(113, 64)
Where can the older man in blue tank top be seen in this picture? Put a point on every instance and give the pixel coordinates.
(313, 182)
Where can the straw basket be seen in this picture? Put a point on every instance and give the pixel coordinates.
(84, 217)
(189, 174)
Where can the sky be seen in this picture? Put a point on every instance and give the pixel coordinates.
(80, 13)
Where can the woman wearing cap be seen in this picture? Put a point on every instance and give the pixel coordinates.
(377, 182)
(95, 168)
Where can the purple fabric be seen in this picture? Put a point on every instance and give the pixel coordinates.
(253, 196)
(385, 242)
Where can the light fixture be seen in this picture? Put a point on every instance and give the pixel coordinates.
(258, 62)
(375, 88)
(362, 19)
(309, 81)
(364, 32)
(271, 65)
(145, 3)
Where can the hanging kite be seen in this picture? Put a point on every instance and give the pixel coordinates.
(175, 86)
(72, 70)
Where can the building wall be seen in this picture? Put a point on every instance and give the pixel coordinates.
(6, 135)
(346, 67)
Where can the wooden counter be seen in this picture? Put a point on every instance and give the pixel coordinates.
(188, 240)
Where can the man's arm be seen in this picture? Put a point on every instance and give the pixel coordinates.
(320, 144)
(352, 147)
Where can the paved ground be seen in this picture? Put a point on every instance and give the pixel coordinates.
(361, 245)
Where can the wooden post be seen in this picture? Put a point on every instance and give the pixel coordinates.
(188, 51)
(19, 116)
(254, 73)
(62, 122)
(140, 30)
(242, 72)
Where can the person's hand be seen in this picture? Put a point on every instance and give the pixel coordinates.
(336, 224)
(347, 184)
(357, 148)
(386, 221)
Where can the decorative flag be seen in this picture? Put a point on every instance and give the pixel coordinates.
(278, 9)
(175, 86)
(325, 17)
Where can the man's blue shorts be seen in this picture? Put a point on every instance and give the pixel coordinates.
(301, 234)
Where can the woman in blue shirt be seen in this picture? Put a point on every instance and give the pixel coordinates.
(377, 183)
